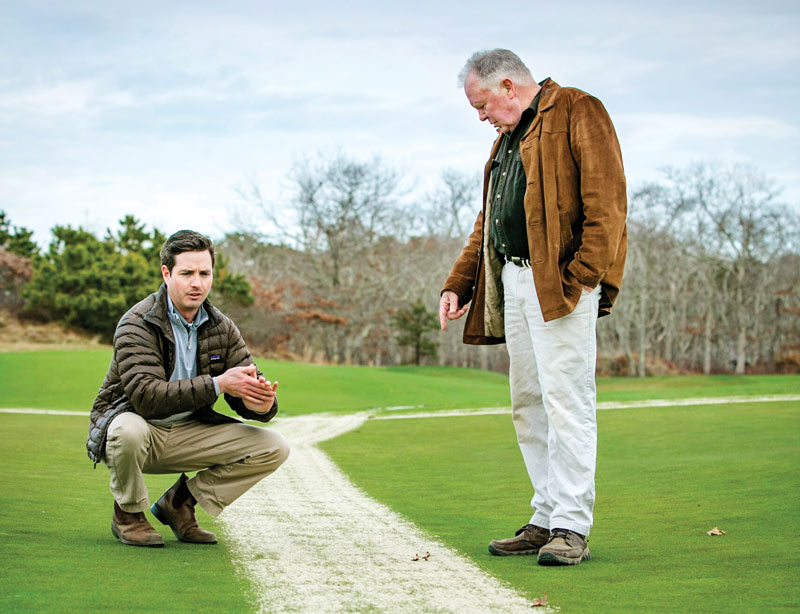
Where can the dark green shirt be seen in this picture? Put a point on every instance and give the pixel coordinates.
(509, 233)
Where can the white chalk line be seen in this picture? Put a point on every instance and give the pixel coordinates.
(488, 411)
(485, 411)
(314, 543)
(47, 412)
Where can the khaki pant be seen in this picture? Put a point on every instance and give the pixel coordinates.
(229, 458)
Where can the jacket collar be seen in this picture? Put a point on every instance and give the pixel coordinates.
(157, 314)
(549, 90)
(546, 101)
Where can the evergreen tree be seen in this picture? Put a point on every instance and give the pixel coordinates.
(16, 240)
(230, 288)
(413, 324)
(89, 283)
(84, 282)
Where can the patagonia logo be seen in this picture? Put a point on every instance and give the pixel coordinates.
(216, 358)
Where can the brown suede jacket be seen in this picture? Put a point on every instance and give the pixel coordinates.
(144, 358)
(575, 209)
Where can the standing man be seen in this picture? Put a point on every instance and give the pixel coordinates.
(174, 353)
(545, 258)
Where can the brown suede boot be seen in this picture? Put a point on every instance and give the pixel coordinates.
(527, 540)
(132, 529)
(564, 548)
(176, 509)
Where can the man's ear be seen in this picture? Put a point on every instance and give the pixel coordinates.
(508, 88)
(164, 272)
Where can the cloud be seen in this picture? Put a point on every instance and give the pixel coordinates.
(652, 141)
(56, 99)
(662, 131)
(161, 109)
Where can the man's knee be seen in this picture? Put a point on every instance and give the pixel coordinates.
(127, 432)
(273, 448)
(280, 446)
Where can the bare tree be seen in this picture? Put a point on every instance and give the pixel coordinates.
(734, 212)
(712, 281)
(453, 205)
(345, 217)
(702, 271)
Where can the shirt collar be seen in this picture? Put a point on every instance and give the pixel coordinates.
(174, 314)
(533, 108)
(525, 119)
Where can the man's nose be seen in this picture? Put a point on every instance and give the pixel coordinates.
(482, 116)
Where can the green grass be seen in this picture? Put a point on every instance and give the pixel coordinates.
(665, 477)
(70, 380)
(57, 553)
(692, 386)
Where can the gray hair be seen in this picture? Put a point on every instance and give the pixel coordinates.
(492, 66)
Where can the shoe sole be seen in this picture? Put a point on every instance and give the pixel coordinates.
(130, 543)
(156, 511)
(548, 559)
(497, 552)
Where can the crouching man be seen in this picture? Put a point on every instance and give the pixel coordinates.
(174, 353)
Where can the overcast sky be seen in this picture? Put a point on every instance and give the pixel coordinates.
(164, 109)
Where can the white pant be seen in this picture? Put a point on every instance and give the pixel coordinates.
(553, 401)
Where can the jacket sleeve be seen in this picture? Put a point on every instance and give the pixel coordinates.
(239, 356)
(142, 372)
(464, 272)
(596, 151)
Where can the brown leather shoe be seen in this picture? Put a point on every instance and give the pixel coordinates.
(564, 548)
(527, 540)
(133, 529)
(179, 515)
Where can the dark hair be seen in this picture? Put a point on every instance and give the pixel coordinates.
(185, 241)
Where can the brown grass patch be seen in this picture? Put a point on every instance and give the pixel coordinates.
(27, 336)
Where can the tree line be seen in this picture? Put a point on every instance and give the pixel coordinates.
(88, 282)
(347, 269)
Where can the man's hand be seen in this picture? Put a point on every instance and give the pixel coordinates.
(262, 408)
(256, 392)
(449, 309)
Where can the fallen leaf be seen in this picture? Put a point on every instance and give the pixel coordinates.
(540, 602)
(716, 531)
(417, 557)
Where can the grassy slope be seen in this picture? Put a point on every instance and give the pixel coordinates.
(665, 476)
(70, 380)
